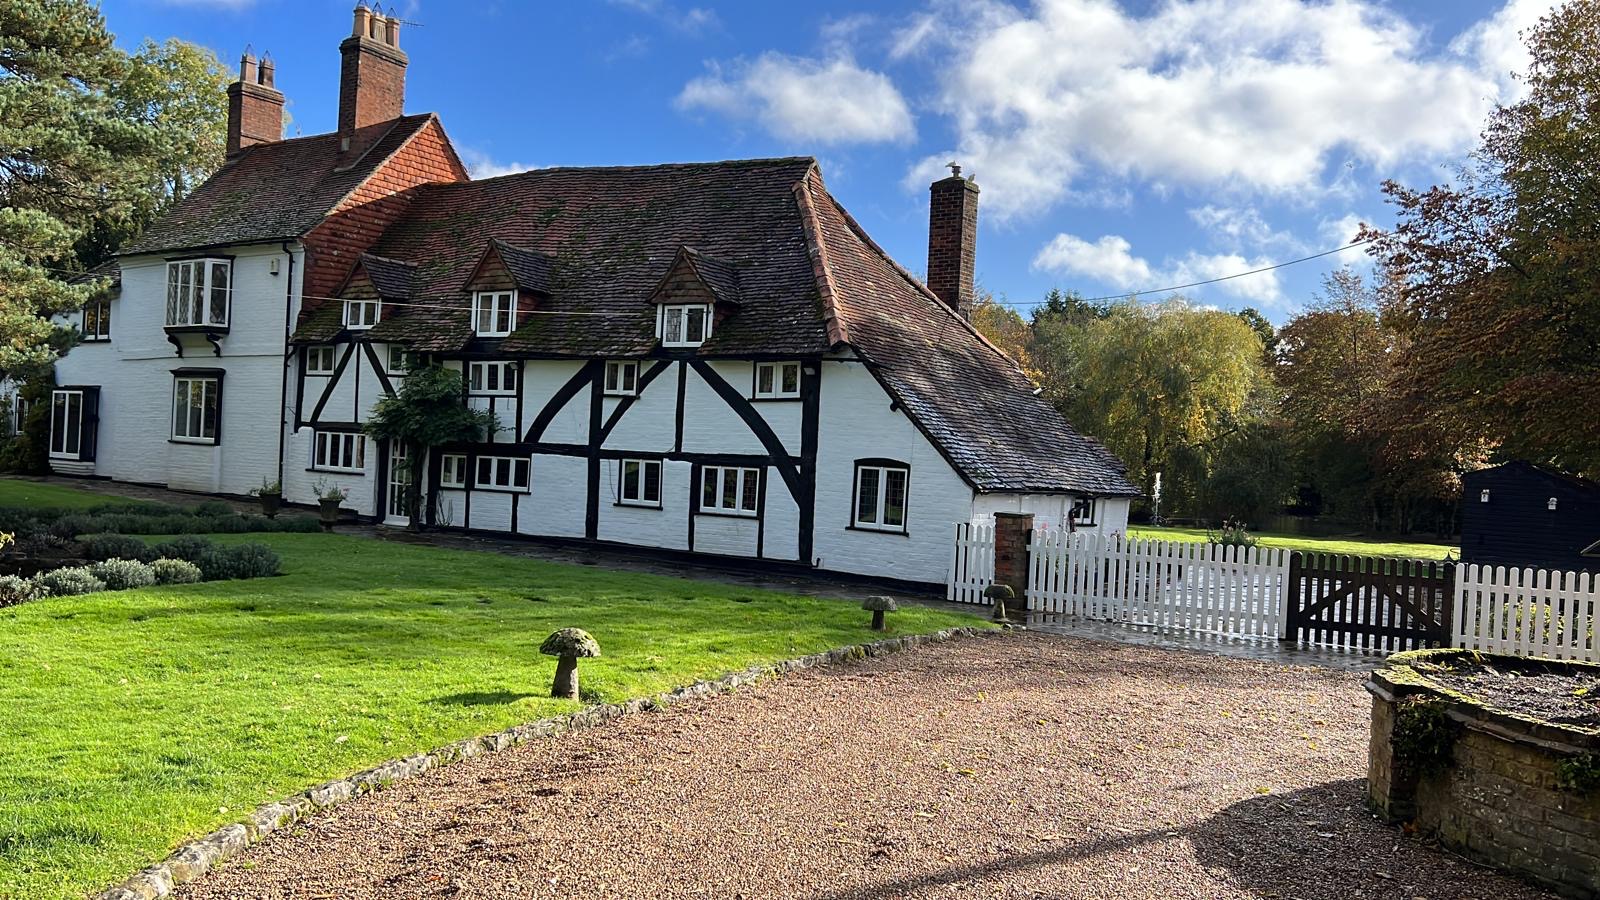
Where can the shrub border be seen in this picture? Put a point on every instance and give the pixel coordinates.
(195, 858)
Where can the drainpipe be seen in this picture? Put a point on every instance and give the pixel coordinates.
(288, 352)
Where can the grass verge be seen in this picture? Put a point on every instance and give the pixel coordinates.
(40, 494)
(137, 719)
(1354, 546)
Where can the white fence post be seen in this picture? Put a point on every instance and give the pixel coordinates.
(1527, 612)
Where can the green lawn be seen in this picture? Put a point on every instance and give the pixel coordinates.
(136, 719)
(1358, 546)
(18, 492)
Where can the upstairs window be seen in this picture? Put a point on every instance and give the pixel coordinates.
(881, 492)
(684, 326)
(97, 320)
(320, 359)
(492, 313)
(730, 491)
(622, 379)
(492, 378)
(359, 315)
(401, 360)
(777, 381)
(198, 291)
(195, 402)
(640, 483)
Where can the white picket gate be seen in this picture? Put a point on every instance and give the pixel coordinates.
(1527, 612)
(972, 568)
(1179, 585)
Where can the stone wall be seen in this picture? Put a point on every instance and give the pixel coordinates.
(1496, 799)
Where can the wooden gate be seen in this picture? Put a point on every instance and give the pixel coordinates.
(1369, 602)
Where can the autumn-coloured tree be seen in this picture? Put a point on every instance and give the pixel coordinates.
(1499, 272)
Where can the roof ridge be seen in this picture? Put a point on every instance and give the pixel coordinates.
(378, 164)
(921, 288)
(838, 331)
(646, 167)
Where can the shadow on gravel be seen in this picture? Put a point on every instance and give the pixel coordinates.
(480, 698)
(1318, 843)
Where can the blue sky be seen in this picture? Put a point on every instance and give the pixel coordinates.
(1120, 146)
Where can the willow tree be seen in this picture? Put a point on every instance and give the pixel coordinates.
(428, 411)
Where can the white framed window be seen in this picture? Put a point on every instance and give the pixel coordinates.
(195, 401)
(880, 496)
(493, 313)
(19, 413)
(453, 470)
(639, 482)
(198, 291)
(321, 359)
(777, 381)
(340, 451)
(730, 490)
(1082, 511)
(492, 377)
(97, 320)
(622, 378)
(502, 473)
(684, 326)
(359, 315)
(66, 424)
(401, 361)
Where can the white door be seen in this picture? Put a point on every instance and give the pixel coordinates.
(399, 482)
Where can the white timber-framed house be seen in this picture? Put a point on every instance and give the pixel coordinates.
(708, 358)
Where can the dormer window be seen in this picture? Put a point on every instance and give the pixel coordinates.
(359, 315)
(492, 313)
(684, 325)
(198, 291)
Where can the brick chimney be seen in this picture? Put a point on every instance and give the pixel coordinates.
(372, 77)
(953, 239)
(255, 107)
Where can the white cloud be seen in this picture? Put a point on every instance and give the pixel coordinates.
(825, 102)
(1496, 42)
(482, 165)
(1110, 260)
(1242, 226)
(693, 20)
(1252, 96)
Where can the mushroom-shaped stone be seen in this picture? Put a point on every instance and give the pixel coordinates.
(999, 594)
(878, 606)
(568, 645)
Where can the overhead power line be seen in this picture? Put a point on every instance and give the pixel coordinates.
(1192, 284)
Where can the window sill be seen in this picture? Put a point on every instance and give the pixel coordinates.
(452, 487)
(94, 340)
(727, 513)
(360, 473)
(194, 442)
(197, 329)
(621, 393)
(637, 504)
(493, 489)
(873, 529)
(491, 393)
(783, 399)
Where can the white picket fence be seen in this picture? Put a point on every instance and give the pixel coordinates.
(1180, 585)
(972, 569)
(1527, 612)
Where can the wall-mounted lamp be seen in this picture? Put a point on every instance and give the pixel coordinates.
(272, 266)
(1483, 496)
(1551, 505)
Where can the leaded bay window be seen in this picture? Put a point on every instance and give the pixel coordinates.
(882, 489)
(340, 451)
(493, 313)
(198, 293)
(196, 404)
(640, 482)
(730, 490)
(684, 325)
(777, 381)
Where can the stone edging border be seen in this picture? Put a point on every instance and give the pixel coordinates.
(194, 859)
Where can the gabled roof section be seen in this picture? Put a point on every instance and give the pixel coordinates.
(391, 278)
(968, 397)
(530, 270)
(718, 276)
(274, 191)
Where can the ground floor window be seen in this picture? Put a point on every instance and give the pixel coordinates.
(453, 470)
(72, 423)
(504, 473)
(881, 491)
(1083, 510)
(19, 413)
(641, 482)
(340, 451)
(730, 490)
(196, 400)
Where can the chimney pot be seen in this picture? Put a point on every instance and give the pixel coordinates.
(247, 68)
(953, 240)
(363, 23)
(372, 77)
(267, 70)
(393, 36)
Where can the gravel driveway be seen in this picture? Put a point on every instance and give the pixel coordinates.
(1021, 766)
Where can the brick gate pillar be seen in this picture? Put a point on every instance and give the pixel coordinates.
(1012, 532)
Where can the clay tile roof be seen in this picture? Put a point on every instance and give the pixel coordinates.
(391, 278)
(275, 191)
(967, 396)
(718, 275)
(530, 269)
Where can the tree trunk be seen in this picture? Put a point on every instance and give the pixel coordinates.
(414, 462)
(566, 683)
